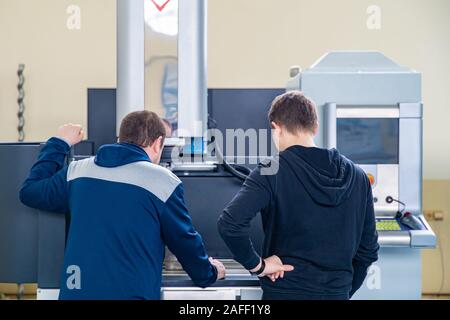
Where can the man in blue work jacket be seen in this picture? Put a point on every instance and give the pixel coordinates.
(124, 209)
(317, 212)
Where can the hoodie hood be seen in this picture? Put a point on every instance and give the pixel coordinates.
(120, 154)
(327, 176)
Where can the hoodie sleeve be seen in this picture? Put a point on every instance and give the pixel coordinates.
(46, 186)
(234, 223)
(184, 241)
(367, 252)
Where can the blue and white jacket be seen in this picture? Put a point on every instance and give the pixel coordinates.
(124, 210)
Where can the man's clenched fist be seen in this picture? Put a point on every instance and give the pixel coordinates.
(71, 133)
(221, 272)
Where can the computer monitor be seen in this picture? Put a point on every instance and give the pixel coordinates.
(369, 141)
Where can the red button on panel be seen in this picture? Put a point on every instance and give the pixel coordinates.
(371, 179)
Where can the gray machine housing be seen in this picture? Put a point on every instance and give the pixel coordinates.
(370, 85)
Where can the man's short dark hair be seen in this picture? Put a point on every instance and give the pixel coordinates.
(294, 111)
(141, 128)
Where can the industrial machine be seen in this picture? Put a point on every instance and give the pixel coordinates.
(369, 107)
(371, 110)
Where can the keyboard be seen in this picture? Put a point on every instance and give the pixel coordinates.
(388, 225)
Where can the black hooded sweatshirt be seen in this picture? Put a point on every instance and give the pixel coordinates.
(318, 215)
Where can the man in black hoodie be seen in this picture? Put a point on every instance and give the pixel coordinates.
(317, 211)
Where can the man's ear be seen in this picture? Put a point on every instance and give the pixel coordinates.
(316, 130)
(158, 145)
(275, 126)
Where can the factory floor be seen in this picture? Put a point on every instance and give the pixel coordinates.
(10, 293)
(436, 297)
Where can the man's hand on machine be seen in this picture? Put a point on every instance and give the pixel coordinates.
(71, 133)
(221, 272)
(274, 268)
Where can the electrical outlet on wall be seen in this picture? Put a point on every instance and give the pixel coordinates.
(434, 215)
(439, 215)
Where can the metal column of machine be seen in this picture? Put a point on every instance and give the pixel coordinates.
(130, 58)
(371, 109)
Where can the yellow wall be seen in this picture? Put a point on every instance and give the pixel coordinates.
(60, 64)
(436, 262)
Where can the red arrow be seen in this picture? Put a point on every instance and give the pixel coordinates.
(160, 7)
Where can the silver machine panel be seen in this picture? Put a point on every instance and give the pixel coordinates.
(370, 109)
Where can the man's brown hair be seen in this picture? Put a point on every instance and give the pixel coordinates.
(141, 128)
(295, 112)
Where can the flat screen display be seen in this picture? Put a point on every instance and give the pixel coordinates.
(369, 141)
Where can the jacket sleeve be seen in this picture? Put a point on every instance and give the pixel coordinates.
(184, 241)
(367, 252)
(46, 186)
(235, 221)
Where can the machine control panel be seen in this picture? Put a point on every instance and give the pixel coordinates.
(384, 180)
(387, 225)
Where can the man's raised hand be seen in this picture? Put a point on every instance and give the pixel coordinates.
(71, 133)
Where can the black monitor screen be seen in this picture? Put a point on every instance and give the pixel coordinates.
(369, 141)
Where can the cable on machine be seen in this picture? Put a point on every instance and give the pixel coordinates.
(399, 214)
(239, 171)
